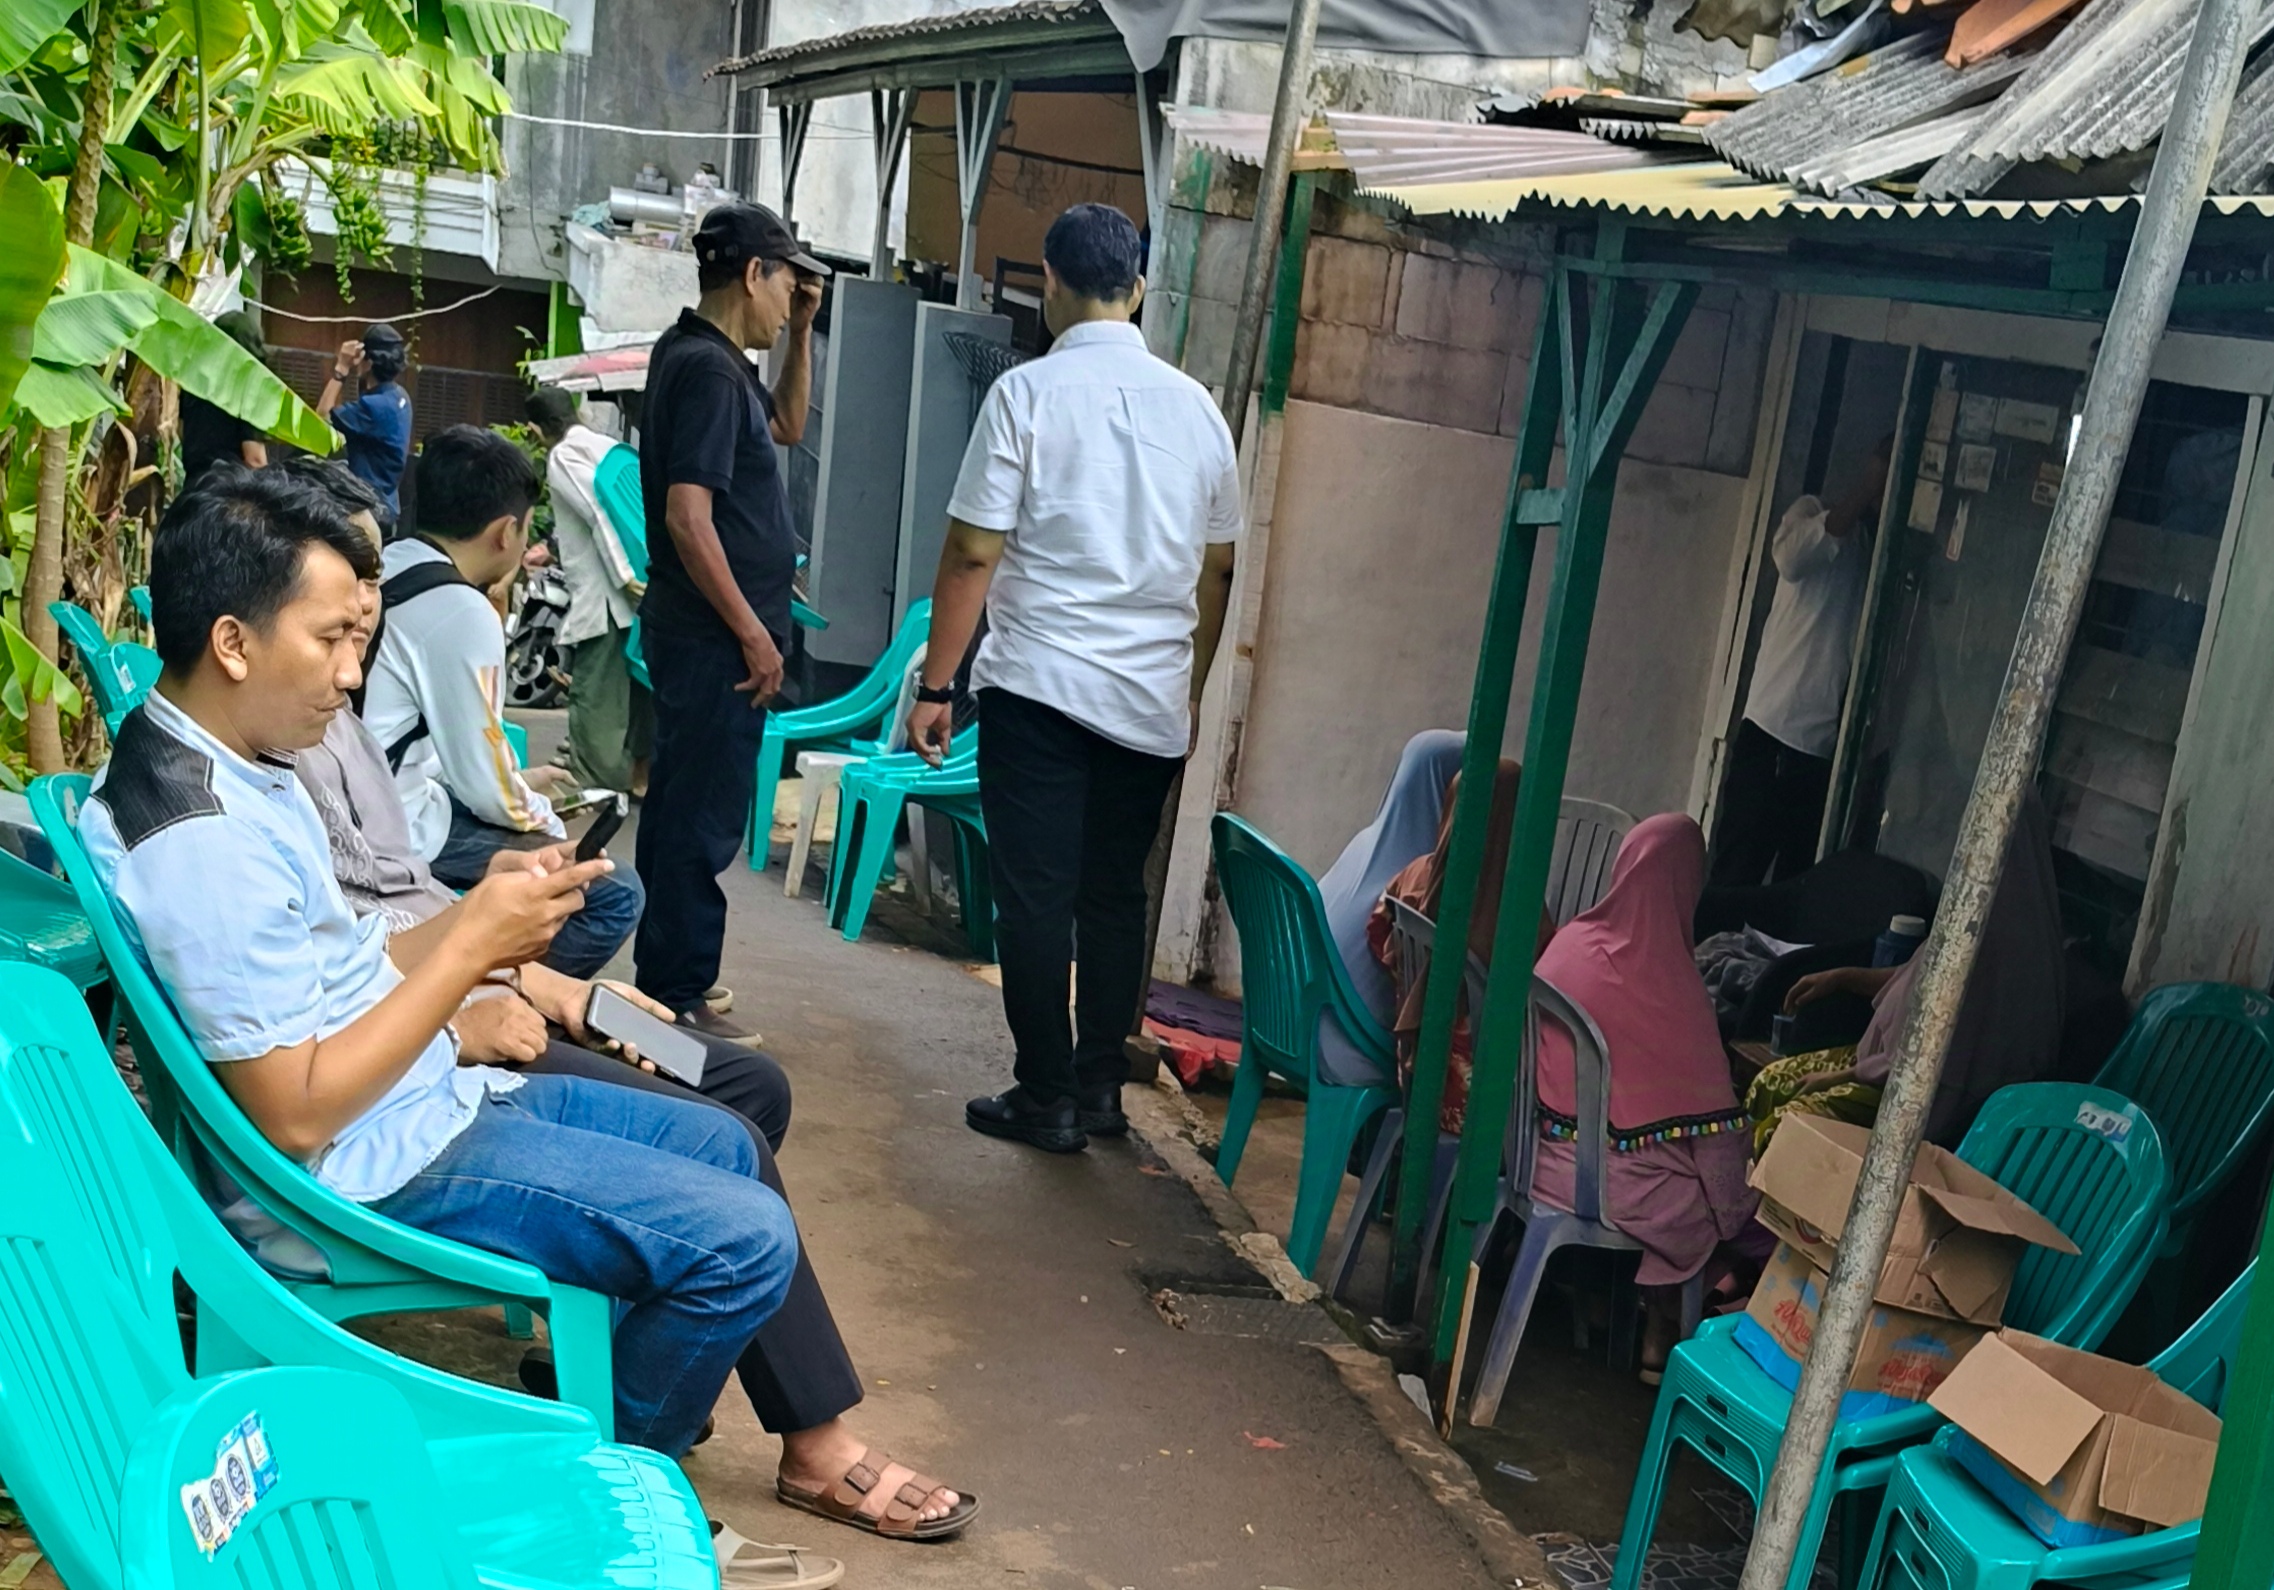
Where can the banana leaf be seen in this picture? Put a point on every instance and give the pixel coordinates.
(58, 398)
(180, 345)
(25, 25)
(32, 677)
(214, 30)
(29, 266)
(87, 328)
(503, 27)
(339, 83)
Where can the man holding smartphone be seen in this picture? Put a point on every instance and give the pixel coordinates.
(716, 616)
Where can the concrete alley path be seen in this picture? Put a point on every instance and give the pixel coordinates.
(997, 1301)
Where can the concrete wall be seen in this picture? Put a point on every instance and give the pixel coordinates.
(645, 69)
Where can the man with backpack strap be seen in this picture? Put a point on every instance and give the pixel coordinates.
(436, 694)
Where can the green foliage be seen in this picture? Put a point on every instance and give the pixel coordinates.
(32, 677)
(27, 25)
(29, 267)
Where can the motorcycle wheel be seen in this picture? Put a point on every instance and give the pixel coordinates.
(534, 671)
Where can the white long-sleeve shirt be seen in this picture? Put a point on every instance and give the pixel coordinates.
(1800, 674)
(593, 561)
(442, 656)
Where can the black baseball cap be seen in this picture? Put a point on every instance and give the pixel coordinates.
(381, 335)
(731, 234)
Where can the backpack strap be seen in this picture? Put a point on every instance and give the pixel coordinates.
(412, 582)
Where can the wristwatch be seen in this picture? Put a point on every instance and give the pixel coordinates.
(934, 695)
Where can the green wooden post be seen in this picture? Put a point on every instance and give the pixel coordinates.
(2237, 1545)
(564, 328)
(1632, 327)
(1287, 294)
(1528, 507)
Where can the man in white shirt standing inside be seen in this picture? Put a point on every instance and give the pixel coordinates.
(610, 726)
(1780, 766)
(1094, 520)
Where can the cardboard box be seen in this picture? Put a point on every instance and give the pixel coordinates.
(1903, 1355)
(2080, 1448)
(1957, 1238)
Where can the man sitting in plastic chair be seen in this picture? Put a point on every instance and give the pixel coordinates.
(333, 1035)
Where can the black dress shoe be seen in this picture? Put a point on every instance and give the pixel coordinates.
(1023, 1119)
(1097, 1111)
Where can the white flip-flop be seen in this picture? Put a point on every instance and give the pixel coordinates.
(746, 1564)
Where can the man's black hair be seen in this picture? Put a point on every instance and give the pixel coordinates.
(552, 410)
(1096, 252)
(468, 479)
(349, 492)
(711, 275)
(383, 346)
(234, 547)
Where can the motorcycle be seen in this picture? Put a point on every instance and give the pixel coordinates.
(536, 665)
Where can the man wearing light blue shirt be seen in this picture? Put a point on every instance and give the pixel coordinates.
(333, 1034)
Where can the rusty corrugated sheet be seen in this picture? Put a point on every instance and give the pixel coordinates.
(1045, 11)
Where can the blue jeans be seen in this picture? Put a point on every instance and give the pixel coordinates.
(588, 940)
(652, 1201)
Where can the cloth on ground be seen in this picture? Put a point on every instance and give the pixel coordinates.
(1731, 963)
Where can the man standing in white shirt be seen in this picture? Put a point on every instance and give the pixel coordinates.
(610, 726)
(1780, 766)
(1094, 520)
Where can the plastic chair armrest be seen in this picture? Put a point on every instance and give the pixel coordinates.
(281, 1329)
(2159, 1548)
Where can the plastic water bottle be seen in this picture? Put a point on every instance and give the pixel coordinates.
(1900, 942)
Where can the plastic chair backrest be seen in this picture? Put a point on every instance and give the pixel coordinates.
(2199, 1058)
(81, 629)
(2202, 1362)
(895, 736)
(616, 488)
(84, 1351)
(2090, 1161)
(1413, 941)
(127, 673)
(185, 1093)
(1591, 1091)
(1290, 972)
(140, 596)
(1587, 839)
(100, 1426)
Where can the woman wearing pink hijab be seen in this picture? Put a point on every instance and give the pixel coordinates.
(1675, 1177)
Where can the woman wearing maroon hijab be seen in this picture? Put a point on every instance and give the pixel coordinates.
(1675, 1177)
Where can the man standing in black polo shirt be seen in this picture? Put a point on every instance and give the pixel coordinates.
(716, 616)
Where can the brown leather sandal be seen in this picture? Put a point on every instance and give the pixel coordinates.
(882, 1497)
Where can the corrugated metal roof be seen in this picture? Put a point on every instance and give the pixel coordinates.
(2249, 147)
(1712, 190)
(1900, 86)
(2103, 87)
(1399, 150)
(982, 17)
(1631, 130)
(1238, 133)
(1893, 154)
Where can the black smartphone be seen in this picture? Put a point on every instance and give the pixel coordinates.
(676, 1053)
(603, 828)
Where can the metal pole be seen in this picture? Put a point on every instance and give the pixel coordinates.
(2009, 760)
(1288, 113)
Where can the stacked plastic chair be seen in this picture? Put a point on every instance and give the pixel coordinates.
(2097, 1173)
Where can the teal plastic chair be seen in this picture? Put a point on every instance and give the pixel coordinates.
(140, 596)
(2199, 1058)
(387, 1473)
(870, 797)
(517, 738)
(119, 673)
(2087, 1159)
(41, 923)
(1939, 1530)
(831, 725)
(1291, 977)
(349, 1260)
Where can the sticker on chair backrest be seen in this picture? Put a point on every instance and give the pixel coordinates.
(2115, 1125)
(244, 1471)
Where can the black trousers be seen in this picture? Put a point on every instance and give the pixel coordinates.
(1070, 820)
(1772, 804)
(698, 805)
(795, 1371)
